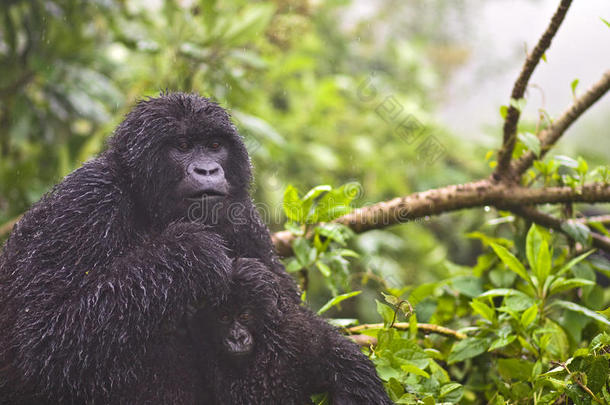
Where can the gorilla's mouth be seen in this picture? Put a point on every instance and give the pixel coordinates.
(211, 193)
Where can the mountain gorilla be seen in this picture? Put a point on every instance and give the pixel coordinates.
(258, 347)
(96, 276)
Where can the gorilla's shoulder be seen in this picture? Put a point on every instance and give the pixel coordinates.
(87, 205)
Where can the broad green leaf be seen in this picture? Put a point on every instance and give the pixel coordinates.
(324, 268)
(577, 231)
(511, 261)
(574, 262)
(543, 263)
(258, 127)
(582, 310)
(531, 142)
(529, 316)
(532, 246)
(336, 300)
(484, 310)
(451, 392)
(515, 369)
(247, 25)
(561, 284)
(597, 373)
(501, 342)
(302, 251)
(412, 368)
(386, 313)
(468, 348)
(293, 207)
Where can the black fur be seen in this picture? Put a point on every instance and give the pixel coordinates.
(296, 353)
(95, 278)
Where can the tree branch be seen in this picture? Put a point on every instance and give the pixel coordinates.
(405, 326)
(552, 222)
(549, 136)
(512, 115)
(453, 198)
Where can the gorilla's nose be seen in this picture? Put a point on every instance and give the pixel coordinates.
(207, 169)
(209, 177)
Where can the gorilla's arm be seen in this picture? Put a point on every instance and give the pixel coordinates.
(252, 239)
(83, 293)
(337, 366)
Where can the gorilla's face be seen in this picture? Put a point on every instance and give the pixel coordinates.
(183, 157)
(200, 184)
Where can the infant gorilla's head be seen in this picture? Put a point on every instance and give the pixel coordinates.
(236, 327)
(182, 156)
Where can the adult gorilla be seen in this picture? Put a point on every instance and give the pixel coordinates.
(97, 274)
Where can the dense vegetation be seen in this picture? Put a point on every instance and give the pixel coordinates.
(478, 306)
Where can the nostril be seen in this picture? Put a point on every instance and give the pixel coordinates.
(206, 171)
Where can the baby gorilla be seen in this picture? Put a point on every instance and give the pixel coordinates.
(260, 347)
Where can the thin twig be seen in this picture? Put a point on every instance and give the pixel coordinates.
(512, 115)
(552, 222)
(602, 219)
(551, 135)
(405, 326)
(576, 379)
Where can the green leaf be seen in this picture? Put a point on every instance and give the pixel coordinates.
(577, 231)
(501, 342)
(532, 246)
(336, 300)
(573, 85)
(451, 392)
(249, 24)
(503, 111)
(412, 368)
(544, 57)
(543, 264)
(302, 251)
(582, 310)
(597, 373)
(561, 284)
(574, 262)
(293, 206)
(529, 316)
(605, 21)
(518, 104)
(511, 261)
(324, 269)
(515, 369)
(531, 141)
(387, 313)
(468, 348)
(484, 310)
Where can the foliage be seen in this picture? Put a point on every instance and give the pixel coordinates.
(313, 106)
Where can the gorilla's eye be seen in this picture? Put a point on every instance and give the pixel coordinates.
(245, 316)
(183, 144)
(215, 145)
(224, 318)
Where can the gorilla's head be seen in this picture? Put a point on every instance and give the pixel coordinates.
(247, 319)
(183, 158)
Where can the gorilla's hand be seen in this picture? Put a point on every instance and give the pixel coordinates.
(203, 254)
